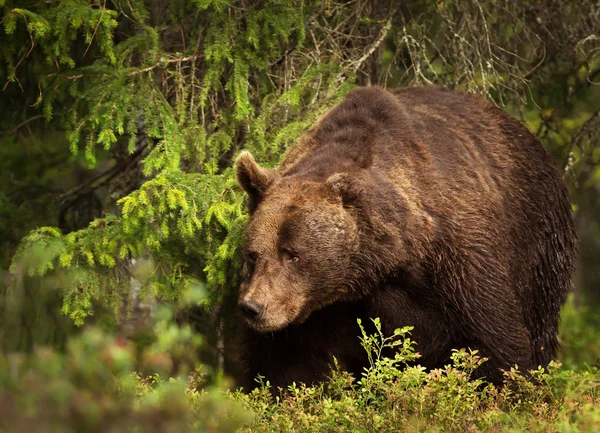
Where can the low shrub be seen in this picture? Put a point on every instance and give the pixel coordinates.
(394, 395)
(93, 387)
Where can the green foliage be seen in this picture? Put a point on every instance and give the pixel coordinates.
(184, 88)
(579, 336)
(217, 83)
(164, 208)
(383, 368)
(92, 388)
(29, 172)
(392, 396)
(155, 99)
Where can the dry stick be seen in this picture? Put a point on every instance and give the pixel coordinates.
(109, 174)
(163, 61)
(19, 126)
(577, 138)
(590, 77)
(384, 31)
(532, 70)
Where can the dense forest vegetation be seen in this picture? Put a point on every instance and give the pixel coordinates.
(121, 223)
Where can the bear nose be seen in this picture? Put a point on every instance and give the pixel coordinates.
(251, 309)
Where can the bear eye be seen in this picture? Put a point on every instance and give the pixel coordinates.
(289, 256)
(251, 260)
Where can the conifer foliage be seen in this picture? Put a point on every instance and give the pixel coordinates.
(173, 90)
(152, 100)
(182, 86)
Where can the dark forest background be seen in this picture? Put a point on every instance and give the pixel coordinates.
(120, 119)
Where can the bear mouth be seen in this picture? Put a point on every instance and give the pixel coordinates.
(263, 329)
(263, 326)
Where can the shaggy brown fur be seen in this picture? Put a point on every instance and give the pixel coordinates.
(423, 207)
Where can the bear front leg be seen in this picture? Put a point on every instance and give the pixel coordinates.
(397, 306)
(284, 360)
(304, 352)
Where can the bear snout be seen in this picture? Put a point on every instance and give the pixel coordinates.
(251, 309)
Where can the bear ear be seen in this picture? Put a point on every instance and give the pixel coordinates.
(344, 186)
(253, 178)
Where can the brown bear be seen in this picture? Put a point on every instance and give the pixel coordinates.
(420, 206)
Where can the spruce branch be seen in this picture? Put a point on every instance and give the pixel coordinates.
(102, 179)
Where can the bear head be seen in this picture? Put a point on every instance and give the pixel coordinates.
(302, 244)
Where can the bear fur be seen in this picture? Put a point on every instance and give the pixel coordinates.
(421, 206)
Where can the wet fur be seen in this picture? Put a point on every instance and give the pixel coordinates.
(461, 227)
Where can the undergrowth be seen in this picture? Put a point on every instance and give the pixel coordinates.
(92, 388)
(395, 395)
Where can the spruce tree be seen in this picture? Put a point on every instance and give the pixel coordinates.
(163, 95)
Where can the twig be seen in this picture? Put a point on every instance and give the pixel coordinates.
(382, 34)
(532, 70)
(19, 126)
(96, 29)
(14, 74)
(105, 177)
(577, 138)
(162, 61)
